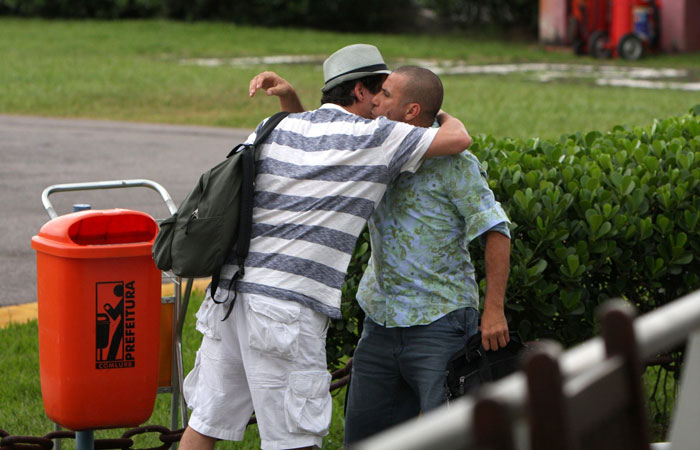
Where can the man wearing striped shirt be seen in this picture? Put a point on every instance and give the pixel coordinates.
(320, 176)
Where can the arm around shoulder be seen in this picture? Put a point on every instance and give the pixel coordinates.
(452, 137)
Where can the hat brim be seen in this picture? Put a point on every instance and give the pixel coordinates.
(351, 76)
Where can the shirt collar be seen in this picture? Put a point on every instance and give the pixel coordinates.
(336, 107)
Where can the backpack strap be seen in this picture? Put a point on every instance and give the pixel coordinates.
(245, 217)
(245, 223)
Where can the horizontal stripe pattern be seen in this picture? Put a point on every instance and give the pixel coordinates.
(400, 159)
(321, 293)
(320, 175)
(301, 188)
(326, 115)
(356, 206)
(376, 174)
(325, 142)
(298, 266)
(330, 220)
(317, 234)
(298, 248)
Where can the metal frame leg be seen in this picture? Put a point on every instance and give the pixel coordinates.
(177, 400)
(85, 440)
(182, 312)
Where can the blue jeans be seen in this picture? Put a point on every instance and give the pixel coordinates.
(399, 372)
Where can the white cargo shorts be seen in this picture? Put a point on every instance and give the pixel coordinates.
(269, 357)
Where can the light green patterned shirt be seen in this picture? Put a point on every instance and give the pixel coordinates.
(420, 268)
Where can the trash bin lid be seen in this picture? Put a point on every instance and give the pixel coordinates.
(106, 233)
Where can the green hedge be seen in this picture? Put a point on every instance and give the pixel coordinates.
(598, 216)
(595, 216)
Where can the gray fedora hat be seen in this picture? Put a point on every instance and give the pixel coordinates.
(352, 62)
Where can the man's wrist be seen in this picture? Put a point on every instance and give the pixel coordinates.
(493, 305)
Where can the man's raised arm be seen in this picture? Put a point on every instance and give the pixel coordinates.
(451, 138)
(274, 84)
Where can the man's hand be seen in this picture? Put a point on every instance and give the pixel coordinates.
(452, 137)
(274, 84)
(494, 329)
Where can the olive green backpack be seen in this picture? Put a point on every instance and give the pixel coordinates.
(215, 218)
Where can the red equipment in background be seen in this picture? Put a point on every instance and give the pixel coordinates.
(624, 28)
(587, 17)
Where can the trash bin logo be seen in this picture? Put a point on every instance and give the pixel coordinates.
(115, 342)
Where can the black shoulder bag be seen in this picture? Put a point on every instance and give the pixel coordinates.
(473, 366)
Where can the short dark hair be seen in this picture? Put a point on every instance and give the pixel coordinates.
(343, 94)
(425, 89)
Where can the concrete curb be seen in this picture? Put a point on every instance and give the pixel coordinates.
(29, 311)
(18, 314)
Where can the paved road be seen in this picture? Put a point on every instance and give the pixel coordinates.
(38, 152)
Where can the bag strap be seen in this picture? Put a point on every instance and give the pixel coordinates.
(514, 346)
(269, 125)
(474, 351)
(245, 216)
(485, 374)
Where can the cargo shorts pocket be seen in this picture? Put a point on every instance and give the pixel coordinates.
(308, 402)
(207, 321)
(273, 327)
(189, 387)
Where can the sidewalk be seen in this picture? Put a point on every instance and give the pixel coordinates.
(28, 311)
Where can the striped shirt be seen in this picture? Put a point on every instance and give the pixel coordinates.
(320, 176)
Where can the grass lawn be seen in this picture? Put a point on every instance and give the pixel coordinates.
(22, 411)
(134, 71)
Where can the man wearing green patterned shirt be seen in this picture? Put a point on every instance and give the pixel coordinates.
(419, 291)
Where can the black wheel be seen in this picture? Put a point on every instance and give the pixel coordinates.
(597, 43)
(630, 47)
(578, 47)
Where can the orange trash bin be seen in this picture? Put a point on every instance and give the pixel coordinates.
(99, 314)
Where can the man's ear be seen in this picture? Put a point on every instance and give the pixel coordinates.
(360, 91)
(412, 111)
